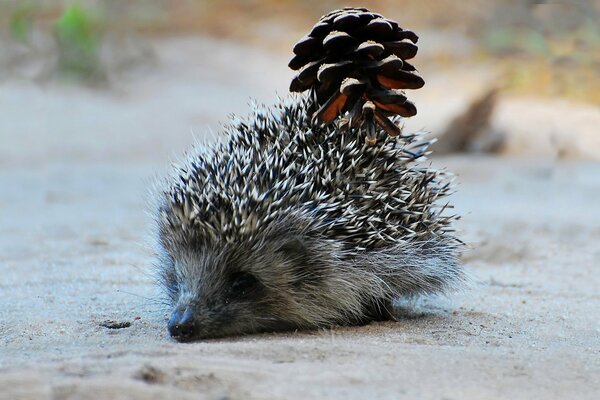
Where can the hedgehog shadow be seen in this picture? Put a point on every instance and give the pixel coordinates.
(418, 311)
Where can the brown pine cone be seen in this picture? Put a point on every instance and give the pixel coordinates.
(355, 62)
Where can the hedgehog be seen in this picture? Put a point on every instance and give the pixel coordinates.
(312, 212)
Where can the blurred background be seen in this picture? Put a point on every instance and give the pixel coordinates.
(108, 80)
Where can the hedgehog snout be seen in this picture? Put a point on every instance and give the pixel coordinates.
(182, 324)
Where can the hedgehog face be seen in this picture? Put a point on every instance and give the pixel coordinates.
(235, 288)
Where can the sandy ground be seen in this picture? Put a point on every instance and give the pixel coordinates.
(75, 166)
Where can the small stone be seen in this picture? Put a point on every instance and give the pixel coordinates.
(115, 324)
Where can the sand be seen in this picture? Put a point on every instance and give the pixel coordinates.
(75, 166)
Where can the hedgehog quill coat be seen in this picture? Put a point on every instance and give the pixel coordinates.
(291, 222)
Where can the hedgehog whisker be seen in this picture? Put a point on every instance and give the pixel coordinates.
(148, 299)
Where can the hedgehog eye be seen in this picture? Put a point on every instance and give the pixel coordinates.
(242, 283)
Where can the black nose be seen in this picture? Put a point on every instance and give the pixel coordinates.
(182, 325)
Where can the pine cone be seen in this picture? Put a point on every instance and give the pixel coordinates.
(355, 63)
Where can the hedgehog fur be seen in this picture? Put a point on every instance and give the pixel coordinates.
(285, 223)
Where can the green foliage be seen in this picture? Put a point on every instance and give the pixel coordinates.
(21, 22)
(78, 39)
(510, 40)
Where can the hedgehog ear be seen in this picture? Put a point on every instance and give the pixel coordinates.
(293, 247)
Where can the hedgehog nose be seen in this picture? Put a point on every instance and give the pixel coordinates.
(182, 325)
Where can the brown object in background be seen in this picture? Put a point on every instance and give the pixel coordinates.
(470, 131)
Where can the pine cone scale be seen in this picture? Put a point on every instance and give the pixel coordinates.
(376, 29)
(334, 72)
(403, 50)
(338, 42)
(369, 49)
(406, 109)
(386, 66)
(387, 96)
(401, 35)
(353, 85)
(320, 30)
(387, 125)
(401, 80)
(348, 22)
(309, 73)
(408, 66)
(332, 107)
(299, 61)
(306, 46)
